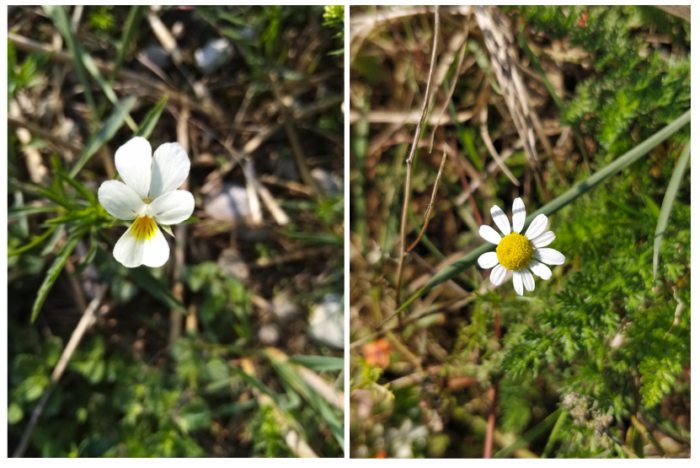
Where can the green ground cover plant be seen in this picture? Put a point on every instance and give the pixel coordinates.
(211, 355)
(595, 362)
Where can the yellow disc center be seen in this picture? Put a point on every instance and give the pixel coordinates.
(514, 251)
(144, 228)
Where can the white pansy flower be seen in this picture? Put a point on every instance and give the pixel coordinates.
(517, 252)
(147, 196)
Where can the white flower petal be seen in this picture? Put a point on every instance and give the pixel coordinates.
(133, 161)
(488, 260)
(543, 239)
(171, 166)
(501, 220)
(172, 207)
(156, 250)
(489, 234)
(498, 275)
(119, 200)
(550, 256)
(129, 250)
(528, 279)
(537, 227)
(519, 215)
(518, 282)
(540, 269)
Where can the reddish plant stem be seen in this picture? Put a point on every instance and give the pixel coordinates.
(491, 425)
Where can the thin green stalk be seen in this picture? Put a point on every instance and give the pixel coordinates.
(132, 23)
(553, 435)
(669, 197)
(558, 203)
(530, 435)
(33, 243)
(60, 19)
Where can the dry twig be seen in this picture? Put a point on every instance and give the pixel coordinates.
(409, 161)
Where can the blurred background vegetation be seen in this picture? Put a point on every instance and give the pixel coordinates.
(231, 348)
(596, 361)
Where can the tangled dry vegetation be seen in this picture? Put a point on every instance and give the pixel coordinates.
(522, 103)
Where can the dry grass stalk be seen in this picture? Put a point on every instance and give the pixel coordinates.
(500, 43)
(409, 161)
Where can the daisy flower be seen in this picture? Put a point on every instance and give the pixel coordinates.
(149, 197)
(519, 252)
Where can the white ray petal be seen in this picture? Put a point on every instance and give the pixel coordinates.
(489, 234)
(488, 260)
(537, 227)
(519, 215)
(543, 239)
(550, 256)
(501, 220)
(498, 275)
(518, 282)
(540, 269)
(528, 279)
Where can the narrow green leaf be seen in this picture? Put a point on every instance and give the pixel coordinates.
(132, 24)
(54, 198)
(319, 405)
(149, 123)
(156, 289)
(529, 436)
(52, 274)
(669, 197)
(319, 363)
(92, 69)
(90, 256)
(558, 203)
(554, 434)
(103, 135)
(58, 233)
(30, 210)
(60, 20)
(33, 243)
(89, 196)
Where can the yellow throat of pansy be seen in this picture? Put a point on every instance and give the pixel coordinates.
(514, 251)
(144, 228)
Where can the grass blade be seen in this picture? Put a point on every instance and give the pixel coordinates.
(89, 196)
(53, 273)
(60, 20)
(669, 197)
(152, 286)
(315, 401)
(530, 435)
(33, 243)
(132, 24)
(103, 135)
(554, 434)
(319, 363)
(558, 203)
(149, 123)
